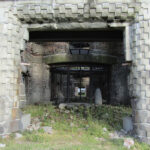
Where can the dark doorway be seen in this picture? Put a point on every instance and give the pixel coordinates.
(78, 82)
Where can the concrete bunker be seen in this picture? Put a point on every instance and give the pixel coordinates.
(20, 17)
(68, 66)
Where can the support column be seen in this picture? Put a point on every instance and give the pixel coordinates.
(140, 73)
(12, 41)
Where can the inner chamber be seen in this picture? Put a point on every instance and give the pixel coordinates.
(66, 68)
(78, 82)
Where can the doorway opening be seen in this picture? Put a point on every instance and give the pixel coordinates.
(68, 66)
(78, 82)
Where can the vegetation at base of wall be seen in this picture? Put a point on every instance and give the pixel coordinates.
(80, 116)
(76, 128)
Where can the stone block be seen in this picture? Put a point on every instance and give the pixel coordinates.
(25, 10)
(143, 95)
(145, 139)
(38, 9)
(123, 16)
(148, 107)
(105, 13)
(141, 133)
(124, 8)
(112, 8)
(118, 12)
(118, 5)
(26, 35)
(131, 11)
(1, 130)
(141, 116)
(15, 113)
(86, 8)
(2, 117)
(50, 10)
(148, 94)
(22, 103)
(80, 5)
(147, 80)
(99, 8)
(80, 11)
(127, 124)
(15, 125)
(86, 15)
(62, 9)
(69, 1)
(111, 16)
(25, 121)
(147, 68)
(105, 5)
(92, 12)
(47, 129)
(141, 106)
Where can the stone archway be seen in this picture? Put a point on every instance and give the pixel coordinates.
(20, 16)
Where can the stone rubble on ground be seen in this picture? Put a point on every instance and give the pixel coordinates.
(35, 120)
(128, 143)
(100, 139)
(25, 121)
(18, 136)
(118, 134)
(105, 129)
(114, 135)
(46, 115)
(62, 106)
(34, 127)
(36, 124)
(5, 136)
(67, 111)
(2, 145)
(47, 129)
(52, 121)
(71, 124)
(123, 131)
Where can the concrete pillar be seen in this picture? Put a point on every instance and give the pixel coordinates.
(140, 73)
(11, 38)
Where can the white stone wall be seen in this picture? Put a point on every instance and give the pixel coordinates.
(46, 11)
(11, 37)
(37, 76)
(140, 72)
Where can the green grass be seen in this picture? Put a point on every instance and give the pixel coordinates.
(73, 129)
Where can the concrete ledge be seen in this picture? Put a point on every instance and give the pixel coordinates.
(99, 59)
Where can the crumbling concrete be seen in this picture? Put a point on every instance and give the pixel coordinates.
(19, 17)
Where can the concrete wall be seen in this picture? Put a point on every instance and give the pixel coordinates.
(119, 93)
(19, 16)
(37, 76)
(38, 79)
(13, 37)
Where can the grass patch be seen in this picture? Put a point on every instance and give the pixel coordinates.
(73, 129)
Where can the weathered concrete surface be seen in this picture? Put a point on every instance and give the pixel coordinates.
(16, 15)
(25, 121)
(98, 97)
(12, 40)
(37, 79)
(99, 59)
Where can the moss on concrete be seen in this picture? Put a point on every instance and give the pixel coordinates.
(101, 59)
